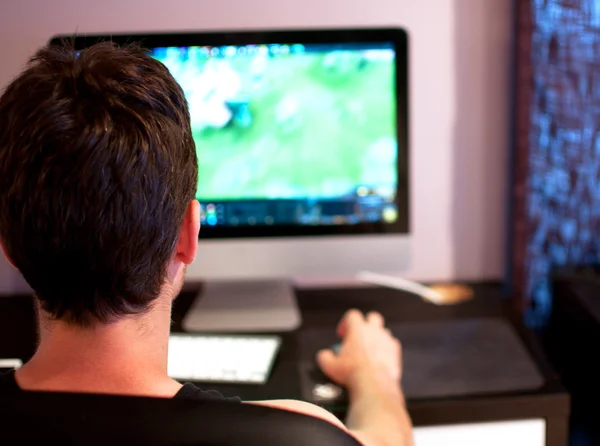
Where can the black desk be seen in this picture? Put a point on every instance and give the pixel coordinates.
(323, 308)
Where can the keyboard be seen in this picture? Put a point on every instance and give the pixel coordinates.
(224, 358)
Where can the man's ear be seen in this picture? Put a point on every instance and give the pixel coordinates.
(6, 255)
(188, 235)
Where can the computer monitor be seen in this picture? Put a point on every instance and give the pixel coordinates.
(302, 144)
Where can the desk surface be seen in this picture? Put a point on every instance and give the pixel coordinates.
(324, 308)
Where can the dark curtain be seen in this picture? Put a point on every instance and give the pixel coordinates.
(556, 159)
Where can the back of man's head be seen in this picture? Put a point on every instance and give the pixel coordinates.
(97, 168)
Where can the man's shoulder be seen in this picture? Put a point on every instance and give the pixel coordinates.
(303, 408)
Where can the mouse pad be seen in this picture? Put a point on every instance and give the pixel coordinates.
(441, 359)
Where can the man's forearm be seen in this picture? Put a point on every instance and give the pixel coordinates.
(377, 414)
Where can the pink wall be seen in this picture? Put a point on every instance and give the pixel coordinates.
(459, 92)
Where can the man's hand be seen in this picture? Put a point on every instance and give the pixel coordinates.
(369, 365)
(369, 353)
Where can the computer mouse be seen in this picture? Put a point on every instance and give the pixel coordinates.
(316, 374)
(322, 389)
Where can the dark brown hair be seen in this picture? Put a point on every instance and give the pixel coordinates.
(97, 167)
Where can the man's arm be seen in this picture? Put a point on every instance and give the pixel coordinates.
(369, 365)
(371, 424)
(302, 408)
(377, 414)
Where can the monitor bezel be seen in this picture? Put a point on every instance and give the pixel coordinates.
(397, 36)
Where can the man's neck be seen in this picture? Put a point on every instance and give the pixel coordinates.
(125, 357)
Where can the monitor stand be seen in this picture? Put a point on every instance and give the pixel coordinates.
(244, 306)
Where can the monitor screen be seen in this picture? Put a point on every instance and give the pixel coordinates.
(291, 134)
(296, 133)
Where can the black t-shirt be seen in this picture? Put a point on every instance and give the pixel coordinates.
(188, 391)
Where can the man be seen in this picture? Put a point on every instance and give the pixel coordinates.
(98, 173)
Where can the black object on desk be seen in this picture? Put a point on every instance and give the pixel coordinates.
(571, 340)
(322, 309)
(573, 332)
